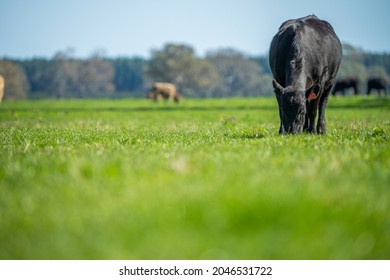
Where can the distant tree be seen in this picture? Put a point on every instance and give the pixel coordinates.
(16, 84)
(377, 59)
(129, 74)
(94, 77)
(177, 64)
(38, 76)
(202, 79)
(265, 87)
(377, 71)
(63, 71)
(239, 75)
(222, 73)
(171, 64)
(263, 61)
(68, 76)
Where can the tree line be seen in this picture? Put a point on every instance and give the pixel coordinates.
(220, 73)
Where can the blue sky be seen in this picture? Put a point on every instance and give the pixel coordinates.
(31, 28)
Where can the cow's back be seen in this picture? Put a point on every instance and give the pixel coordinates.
(377, 83)
(282, 48)
(309, 39)
(320, 43)
(167, 87)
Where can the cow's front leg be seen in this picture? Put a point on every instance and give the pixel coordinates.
(281, 128)
(321, 125)
(311, 113)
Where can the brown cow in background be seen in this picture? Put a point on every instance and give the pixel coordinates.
(2, 83)
(166, 91)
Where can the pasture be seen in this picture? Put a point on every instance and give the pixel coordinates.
(205, 179)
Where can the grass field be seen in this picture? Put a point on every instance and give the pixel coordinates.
(205, 179)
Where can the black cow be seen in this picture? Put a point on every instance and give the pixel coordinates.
(304, 58)
(378, 84)
(346, 83)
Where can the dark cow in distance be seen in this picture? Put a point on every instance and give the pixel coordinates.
(346, 83)
(304, 58)
(378, 84)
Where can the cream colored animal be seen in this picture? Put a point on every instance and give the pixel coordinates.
(165, 91)
(1, 88)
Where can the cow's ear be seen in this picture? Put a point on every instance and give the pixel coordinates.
(278, 88)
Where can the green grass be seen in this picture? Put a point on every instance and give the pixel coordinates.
(207, 179)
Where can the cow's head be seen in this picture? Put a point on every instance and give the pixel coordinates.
(292, 107)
